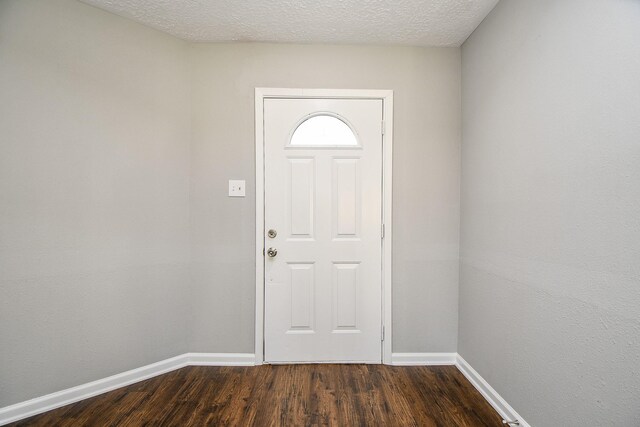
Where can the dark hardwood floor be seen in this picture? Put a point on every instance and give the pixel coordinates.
(286, 395)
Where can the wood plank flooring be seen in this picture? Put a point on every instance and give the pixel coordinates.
(286, 395)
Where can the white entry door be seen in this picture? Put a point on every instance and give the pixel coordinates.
(323, 225)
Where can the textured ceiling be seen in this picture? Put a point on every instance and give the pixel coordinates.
(406, 22)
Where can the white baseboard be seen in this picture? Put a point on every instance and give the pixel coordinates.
(434, 359)
(55, 400)
(221, 359)
(499, 404)
(423, 359)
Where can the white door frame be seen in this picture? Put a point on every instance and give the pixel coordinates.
(387, 162)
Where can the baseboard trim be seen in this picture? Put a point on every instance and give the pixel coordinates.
(499, 404)
(221, 359)
(423, 359)
(439, 359)
(55, 400)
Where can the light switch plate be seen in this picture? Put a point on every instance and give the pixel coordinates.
(236, 188)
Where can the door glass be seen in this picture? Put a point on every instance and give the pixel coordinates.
(323, 130)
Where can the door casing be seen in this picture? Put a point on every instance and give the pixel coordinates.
(387, 147)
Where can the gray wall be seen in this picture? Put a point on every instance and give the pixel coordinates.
(94, 196)
(118, 244)
(550, 255)
(426, 181)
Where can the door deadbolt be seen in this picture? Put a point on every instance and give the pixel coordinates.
(272, 233)
(272, 252)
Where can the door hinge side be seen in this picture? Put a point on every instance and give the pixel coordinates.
(382, 333)
(382, 232)
(383, 127)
